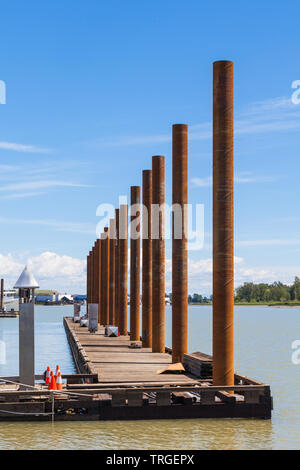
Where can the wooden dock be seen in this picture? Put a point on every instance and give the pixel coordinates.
(118, 382)
(9, 314)
(130, 386)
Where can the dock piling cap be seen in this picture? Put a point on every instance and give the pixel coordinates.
(26, 280)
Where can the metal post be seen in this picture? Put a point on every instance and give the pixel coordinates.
(2, 295)
(103, 277)
(147, 261)
(135, 262)
(87, 280)
(98, 250)
(117, 270)
(158, 254)
(123, 254)
(223, 282)
(106, 275)
(179, 243)
(112, 242)
(92, 276)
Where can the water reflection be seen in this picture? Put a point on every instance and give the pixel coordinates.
(175, 434)
(262, 352)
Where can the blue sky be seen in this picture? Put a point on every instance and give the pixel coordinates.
(93, 89)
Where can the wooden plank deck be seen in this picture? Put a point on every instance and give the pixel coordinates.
(115, 362)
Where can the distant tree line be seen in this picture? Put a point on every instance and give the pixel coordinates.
(199, 299)
(250, 292)
(276, 292)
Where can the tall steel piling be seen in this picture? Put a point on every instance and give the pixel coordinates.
(103, 277)
(158, 254)
(106, 275)
(223, 266)
(135, 261)
(123, 259)
(2, 295)
(87, 280)
(98, 251)
(179, 242)
(112, 286)
(117, 269)
(147, 260)
(90, 278)
(94, 274)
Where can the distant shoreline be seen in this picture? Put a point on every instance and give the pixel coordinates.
(253, 304)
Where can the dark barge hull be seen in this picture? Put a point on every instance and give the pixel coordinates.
(116, 382)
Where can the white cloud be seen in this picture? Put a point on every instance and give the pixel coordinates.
(23, 148)
(240, 178)
(200, 274)
(21, 195)
(31, 185)
(272, 115)
(51, 270)
(68, 274)
(270, 242)
(61, 226)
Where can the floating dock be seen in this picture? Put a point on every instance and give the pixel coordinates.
(130, 386)
(9, 314)
(118, 382)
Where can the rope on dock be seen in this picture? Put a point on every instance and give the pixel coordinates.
(57, 392)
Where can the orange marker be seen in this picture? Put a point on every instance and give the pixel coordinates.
(59, 381)
(52, 384)
(47, 378)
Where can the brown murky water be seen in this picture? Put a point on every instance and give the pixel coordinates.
(263, 350)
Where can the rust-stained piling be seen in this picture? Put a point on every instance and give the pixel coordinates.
(95, 287)
(87, 280)
(112, 242)
(117, 269)
(92, 276)
(98, 251)
(147, 261)
(135, 261)
(106, 279)
(223, 285)
(158, 254)
(97, 275)
(123, 260)
(2, 295)
(179, 242)
(103, 266)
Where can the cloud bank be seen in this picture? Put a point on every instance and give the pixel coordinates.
(68, 274)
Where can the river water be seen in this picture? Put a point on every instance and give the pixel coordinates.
(263, 338)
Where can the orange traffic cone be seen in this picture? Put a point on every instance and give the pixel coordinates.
(52, 384)
(57, 371)
(59, 381)
(47, 378)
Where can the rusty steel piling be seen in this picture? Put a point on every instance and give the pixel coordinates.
(117, 269)
(147, 261)
(98, 251)
(94, 274)
(158, 254)
(106, 279)
(103, 277)
(123, 260)
(135, 261)
(112, 241)
(223, 280)
(179, 242)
